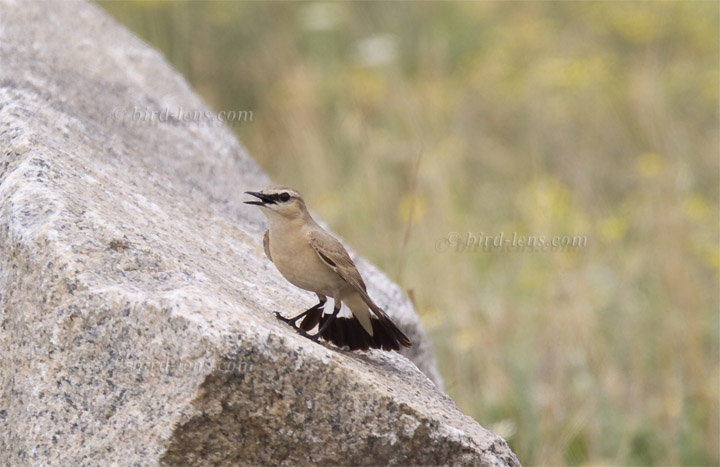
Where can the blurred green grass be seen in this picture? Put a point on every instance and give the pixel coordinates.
(402, 123)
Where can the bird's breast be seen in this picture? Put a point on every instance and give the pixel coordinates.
(298, 262)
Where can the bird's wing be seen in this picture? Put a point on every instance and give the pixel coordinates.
(266, 244)
(332, 253)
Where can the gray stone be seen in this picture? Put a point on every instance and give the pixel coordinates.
(136, 305)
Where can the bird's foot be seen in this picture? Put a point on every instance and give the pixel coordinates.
(313, 338)
(281, 317)
(299, 330)
(289, 321)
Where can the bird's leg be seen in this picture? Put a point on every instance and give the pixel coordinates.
(291, 321)
(330, 319)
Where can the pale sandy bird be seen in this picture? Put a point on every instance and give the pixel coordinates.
(312, 259)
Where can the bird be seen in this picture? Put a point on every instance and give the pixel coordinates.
(312, 259)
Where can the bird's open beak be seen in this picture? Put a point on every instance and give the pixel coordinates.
(263, 199)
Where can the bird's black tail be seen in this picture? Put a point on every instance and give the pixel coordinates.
(348, 332)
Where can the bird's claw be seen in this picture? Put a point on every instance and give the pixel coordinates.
(287, 320)
(301, 331)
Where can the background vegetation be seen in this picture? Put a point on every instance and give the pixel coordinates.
(404, 122)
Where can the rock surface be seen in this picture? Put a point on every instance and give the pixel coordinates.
(136, 322)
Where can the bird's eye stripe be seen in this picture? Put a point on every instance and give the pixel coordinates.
(282, 197)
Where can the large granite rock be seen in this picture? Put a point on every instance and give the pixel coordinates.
(136, 323)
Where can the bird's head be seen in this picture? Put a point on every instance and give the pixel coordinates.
(278, 200)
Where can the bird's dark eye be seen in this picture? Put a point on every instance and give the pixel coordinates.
(284, 197)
